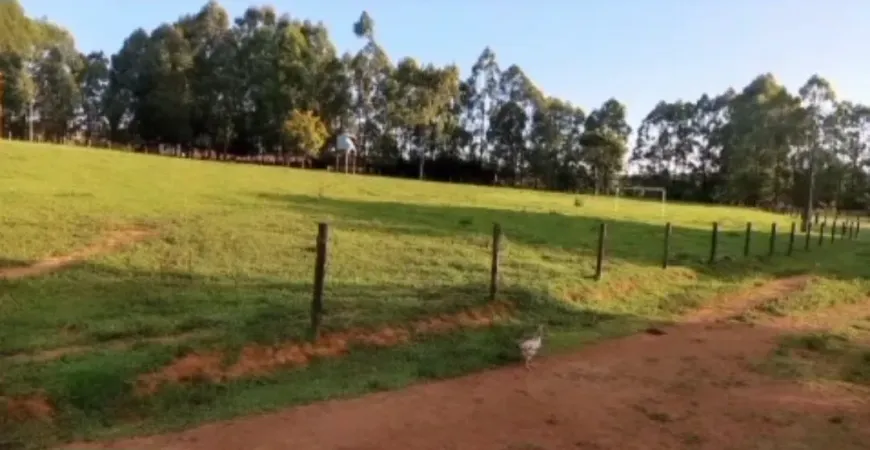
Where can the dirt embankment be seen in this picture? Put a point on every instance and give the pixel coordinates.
(255, 360)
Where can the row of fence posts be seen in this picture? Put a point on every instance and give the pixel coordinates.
(848, 230)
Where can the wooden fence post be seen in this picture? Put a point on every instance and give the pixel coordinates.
(599, 260)
(833, 231)
(791, 238)
(496, 262)
(772, 248)
(747, 241)
(714, 242)
(666, 251)
(843, 231)
(822, 233)
(857, 226)
(319, 279)
(809, 234)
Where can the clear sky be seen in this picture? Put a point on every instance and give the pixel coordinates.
(639, 51)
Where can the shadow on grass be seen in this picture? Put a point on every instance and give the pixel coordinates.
(634, 242)
(6, 263)
(93, 304)
(92, 391)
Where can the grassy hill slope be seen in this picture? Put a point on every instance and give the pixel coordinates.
(230, 263)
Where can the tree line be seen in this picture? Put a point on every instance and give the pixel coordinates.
(267, 86)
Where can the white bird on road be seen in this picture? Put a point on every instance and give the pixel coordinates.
(530, 347)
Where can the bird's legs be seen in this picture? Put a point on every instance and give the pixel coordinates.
(528, 363)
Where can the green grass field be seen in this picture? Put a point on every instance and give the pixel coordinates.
(232, 263)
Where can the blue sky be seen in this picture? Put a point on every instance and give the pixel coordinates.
(638, 51)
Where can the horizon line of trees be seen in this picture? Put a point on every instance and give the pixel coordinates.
(273, 87)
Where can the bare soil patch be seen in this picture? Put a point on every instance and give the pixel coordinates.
(26, 408)
(692, 387)
(257, 360)
(731, 305)
(110, 243)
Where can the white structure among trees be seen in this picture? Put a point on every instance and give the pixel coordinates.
(344, 145)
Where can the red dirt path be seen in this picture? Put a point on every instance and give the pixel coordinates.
(691, 388)
(110, 243)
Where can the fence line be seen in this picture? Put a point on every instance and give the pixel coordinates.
(848, 231)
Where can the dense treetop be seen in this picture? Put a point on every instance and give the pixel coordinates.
(271, 84)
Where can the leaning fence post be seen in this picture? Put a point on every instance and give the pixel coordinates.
(747, 240)
(822, 233)
(599, 260)
(319, 279)
(809, 235)
(666, 251)
(791, 238)
(714, 242)
(772, 248)
(496, 261)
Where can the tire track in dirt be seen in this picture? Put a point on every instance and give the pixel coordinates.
(110, 243)
(691, 387)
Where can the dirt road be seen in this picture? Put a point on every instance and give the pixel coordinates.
(691, 388)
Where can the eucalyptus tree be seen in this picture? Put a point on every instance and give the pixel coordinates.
(481, 100)
(820, 100)
(371, 69)
(605, 143)
(93, 83)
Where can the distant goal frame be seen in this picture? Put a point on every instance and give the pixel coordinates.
(663, 194)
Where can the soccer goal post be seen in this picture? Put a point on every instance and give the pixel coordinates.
(641, 191)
